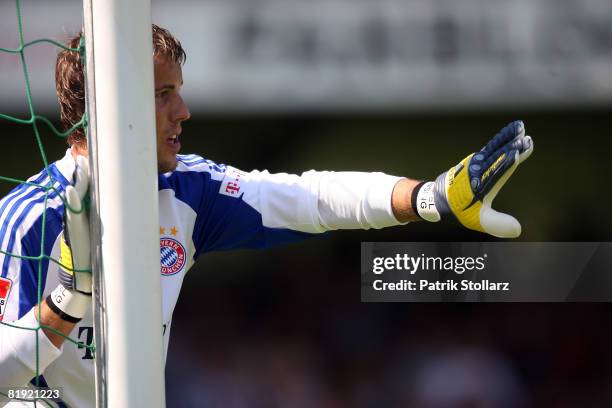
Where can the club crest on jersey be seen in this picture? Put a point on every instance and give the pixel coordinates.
(172, 256)
(5, 288)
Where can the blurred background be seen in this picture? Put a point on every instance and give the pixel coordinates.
(408, 87)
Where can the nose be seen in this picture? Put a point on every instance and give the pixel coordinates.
(181, 111)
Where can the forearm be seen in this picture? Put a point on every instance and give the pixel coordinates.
(352, 200)
(401, 200)
(25, 351)
(50, 319)
(319, 201)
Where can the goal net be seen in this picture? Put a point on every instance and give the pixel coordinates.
(127, 337)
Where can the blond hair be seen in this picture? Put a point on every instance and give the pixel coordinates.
(70, 79)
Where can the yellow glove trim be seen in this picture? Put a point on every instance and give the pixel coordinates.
(459, 194)
(66, 256)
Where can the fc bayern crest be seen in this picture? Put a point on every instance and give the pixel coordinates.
(172, 256)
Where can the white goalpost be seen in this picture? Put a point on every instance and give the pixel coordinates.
(126, 258)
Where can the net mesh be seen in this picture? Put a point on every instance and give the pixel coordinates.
(34, 120)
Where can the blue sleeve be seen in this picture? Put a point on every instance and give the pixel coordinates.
(31, 269)
(224, 221)
(21, 233)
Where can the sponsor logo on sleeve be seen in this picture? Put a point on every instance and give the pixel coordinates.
(231, 185)
(5, 289)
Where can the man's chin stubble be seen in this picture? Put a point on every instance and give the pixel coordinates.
(164, 168)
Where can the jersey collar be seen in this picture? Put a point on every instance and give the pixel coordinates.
(66, 166)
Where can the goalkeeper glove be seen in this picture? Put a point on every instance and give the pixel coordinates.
(466, 191)
(71, 299)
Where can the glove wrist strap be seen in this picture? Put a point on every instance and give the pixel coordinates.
(424, 203)
(69, 305)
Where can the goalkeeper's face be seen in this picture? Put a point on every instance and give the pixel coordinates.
(170, 112)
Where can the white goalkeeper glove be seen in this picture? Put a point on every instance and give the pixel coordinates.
(71, 299)
(466, 192)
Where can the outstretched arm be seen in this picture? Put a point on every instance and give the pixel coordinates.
(259, 209)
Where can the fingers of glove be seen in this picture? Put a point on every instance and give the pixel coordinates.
(69, 275)
(484, 173)
(81, 176)
(76, 230)
(499, 224)
(484, 179)
(66, 272)
(512, 137)
(508, 134)
(82, 282)
(73, 200)
(527, 149)
(494, 183)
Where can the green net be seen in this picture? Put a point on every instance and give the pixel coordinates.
(35, 121)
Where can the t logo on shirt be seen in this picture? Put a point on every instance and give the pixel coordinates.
(231, 182)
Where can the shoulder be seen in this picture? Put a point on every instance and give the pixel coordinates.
(24, 206)
(193, 179)
(192, 171)
(192, 163)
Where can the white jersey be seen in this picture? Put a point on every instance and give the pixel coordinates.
(203, 207)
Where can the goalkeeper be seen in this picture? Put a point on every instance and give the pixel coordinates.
(204, 207)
